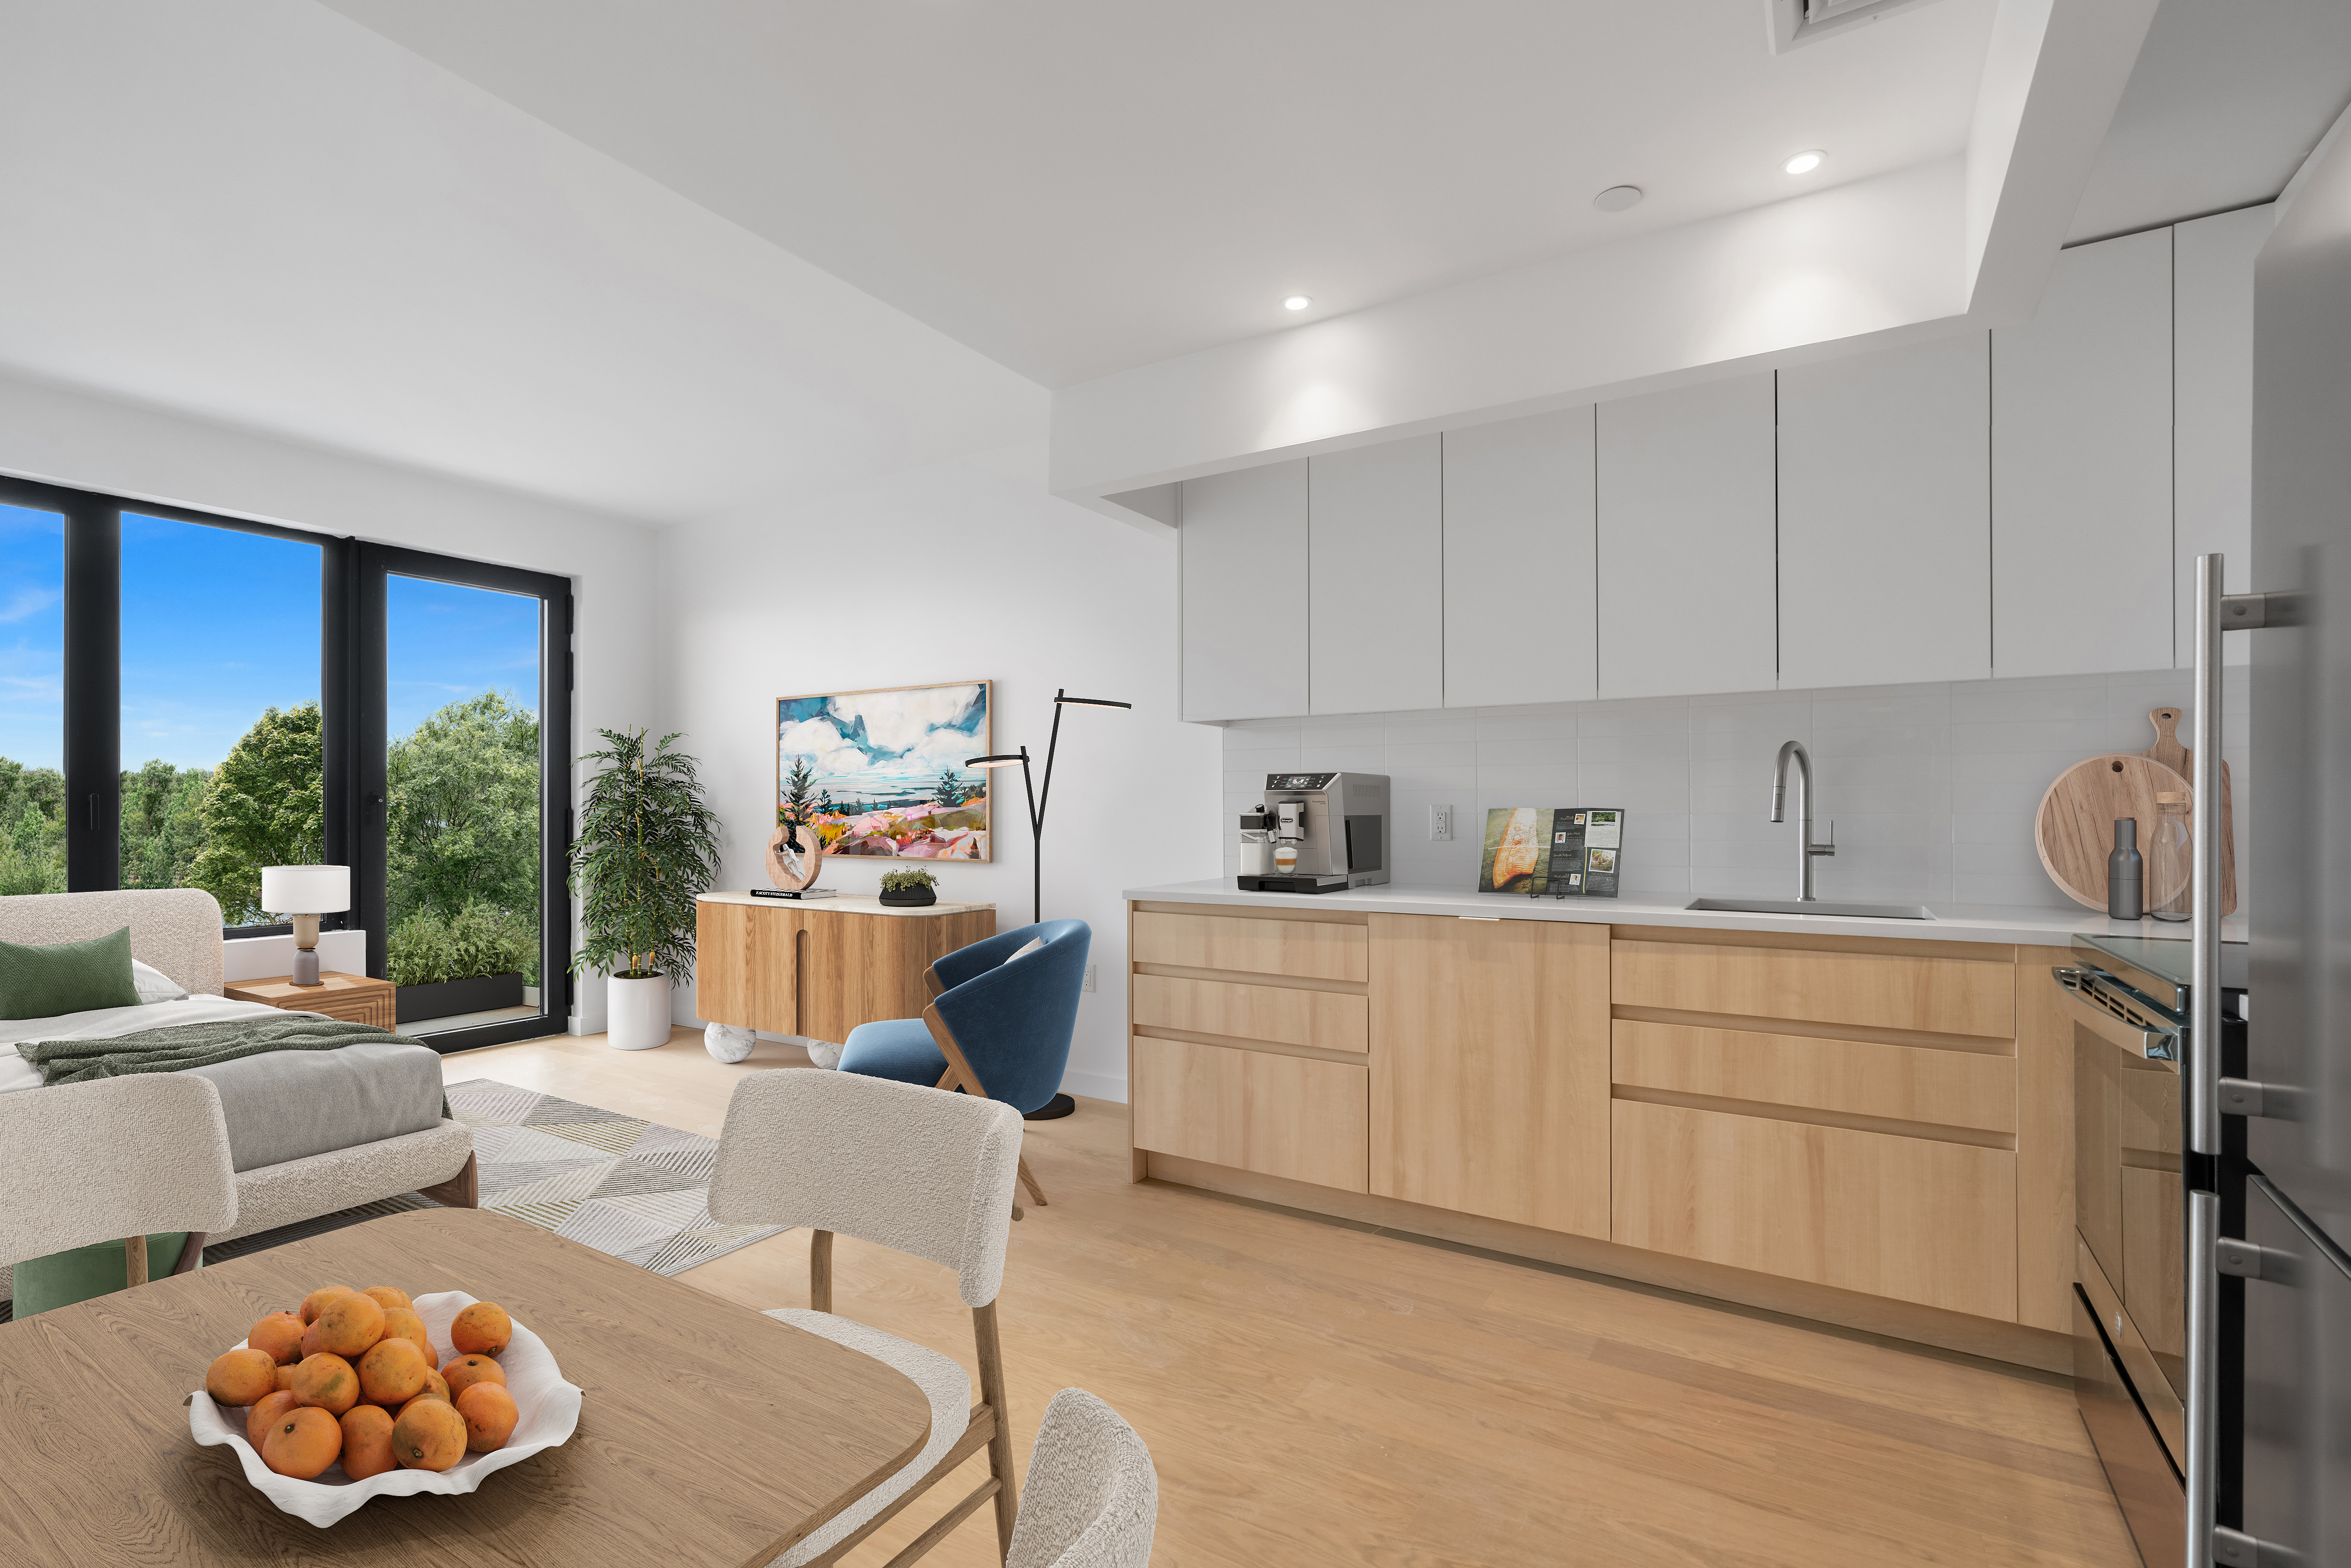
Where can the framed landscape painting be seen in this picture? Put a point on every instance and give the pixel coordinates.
(880, 773)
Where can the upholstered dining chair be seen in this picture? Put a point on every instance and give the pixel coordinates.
(905, 1168)
(1001, 1016)
(1092, 1497)
(116, 1159)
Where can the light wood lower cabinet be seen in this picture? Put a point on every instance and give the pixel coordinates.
(1937, 993)
(1847, 1077)
(1489, 1068)
(819, 970)
(1293, 1116)
(1325, 1021)
(1912, 1219)
(1315, 950)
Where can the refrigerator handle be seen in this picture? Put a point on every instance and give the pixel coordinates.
(2215, 613)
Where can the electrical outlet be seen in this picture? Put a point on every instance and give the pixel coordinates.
(1089, 978)
(1440, 824)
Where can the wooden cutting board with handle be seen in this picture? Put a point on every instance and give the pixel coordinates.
(2074, 830)
(2181, 760)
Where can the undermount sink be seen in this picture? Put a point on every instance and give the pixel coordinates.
(1812, 906)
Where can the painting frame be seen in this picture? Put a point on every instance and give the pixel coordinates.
(884, 822)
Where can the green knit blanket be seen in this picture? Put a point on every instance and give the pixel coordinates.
(182, 1045)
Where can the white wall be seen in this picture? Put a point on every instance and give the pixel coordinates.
(956, 571)
(72, 438)
(1933, 786)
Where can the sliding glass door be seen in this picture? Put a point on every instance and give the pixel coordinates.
(185, 699)
(467, 749)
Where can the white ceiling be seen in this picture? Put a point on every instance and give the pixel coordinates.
(1073, 187)
(260, 212)
(2223, 105)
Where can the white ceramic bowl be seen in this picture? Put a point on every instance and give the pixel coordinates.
(548, 1409)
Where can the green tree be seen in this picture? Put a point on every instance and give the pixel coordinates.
(950, 789)
(264, 809)
(463, 811)
(32, 829)
(162, 824)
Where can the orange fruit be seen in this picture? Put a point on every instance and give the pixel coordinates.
(366, 1442)
(327, 1381)
(402, 1322)
(279, 1333)
(310, 1345)
(316, 1301)
(286, 1378)
(490, 1417)
(301, 1443)
(428, 1436)
(437, 1387)
(467, 1370)
(350, 1327)
(387, 1298)
(256, 1424)
(481, 1329)
(393, 1372)
(242, 1376)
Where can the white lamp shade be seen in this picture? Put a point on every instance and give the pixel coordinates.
(306, 889)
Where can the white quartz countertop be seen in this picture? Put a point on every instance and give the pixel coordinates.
(2021, 925)
(846, 903)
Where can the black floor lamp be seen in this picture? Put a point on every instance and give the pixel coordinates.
(1061, 1105)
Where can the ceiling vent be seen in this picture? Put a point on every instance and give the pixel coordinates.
(1795, 22)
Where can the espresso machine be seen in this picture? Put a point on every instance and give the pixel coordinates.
(1316, 833)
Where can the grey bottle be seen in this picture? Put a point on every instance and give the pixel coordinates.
(2125, 873)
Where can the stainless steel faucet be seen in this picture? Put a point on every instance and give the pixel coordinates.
(1805, 848)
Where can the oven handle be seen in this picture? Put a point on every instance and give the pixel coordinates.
(2153, 1044)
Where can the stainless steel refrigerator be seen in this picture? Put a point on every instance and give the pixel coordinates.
(2292, 1250)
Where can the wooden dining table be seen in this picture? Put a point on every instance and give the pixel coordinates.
(708, 1434)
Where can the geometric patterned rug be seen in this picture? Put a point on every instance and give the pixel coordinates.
(621, 1185)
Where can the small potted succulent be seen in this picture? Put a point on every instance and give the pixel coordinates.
(909, 888)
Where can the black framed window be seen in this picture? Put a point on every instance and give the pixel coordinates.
(280, 697)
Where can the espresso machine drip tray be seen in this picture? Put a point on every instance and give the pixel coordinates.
(1294, 884)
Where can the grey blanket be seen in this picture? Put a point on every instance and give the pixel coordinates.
(181, 1047)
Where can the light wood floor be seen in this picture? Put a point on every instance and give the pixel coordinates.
(1318, 1394)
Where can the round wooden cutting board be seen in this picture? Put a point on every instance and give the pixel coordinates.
(2074, 831)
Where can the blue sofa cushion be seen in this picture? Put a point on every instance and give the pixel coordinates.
(895, 1048)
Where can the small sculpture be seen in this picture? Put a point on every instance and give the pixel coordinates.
(795, 856)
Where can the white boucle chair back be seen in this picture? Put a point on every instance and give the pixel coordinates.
(922, 1170)
(85, 1163)
(174, 929)
(1092, 1498)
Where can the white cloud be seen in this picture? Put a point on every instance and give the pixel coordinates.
(896, 721)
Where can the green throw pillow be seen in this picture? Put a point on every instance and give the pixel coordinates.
(69, 978)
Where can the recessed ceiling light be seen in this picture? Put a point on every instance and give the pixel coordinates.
(1617, 198)
(1804, 162)
(1296, 302)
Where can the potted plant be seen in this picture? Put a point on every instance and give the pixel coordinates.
(909, 888)
(647, 845)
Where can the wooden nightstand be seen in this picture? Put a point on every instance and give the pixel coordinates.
(353, 998)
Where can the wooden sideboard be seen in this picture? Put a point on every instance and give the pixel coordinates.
(1874, 1132)
(819, 967)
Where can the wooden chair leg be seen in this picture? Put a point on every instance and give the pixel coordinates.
(1030, 1181)
(821, 1271)
(1000, 1442)
(134, 1260)
(189, 1252)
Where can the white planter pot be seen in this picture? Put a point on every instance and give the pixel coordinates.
(636, 1012)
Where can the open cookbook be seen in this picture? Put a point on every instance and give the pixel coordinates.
(1568, 851)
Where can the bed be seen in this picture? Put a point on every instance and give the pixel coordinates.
(310, 1132)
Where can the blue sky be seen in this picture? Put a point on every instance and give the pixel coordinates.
(219, 625)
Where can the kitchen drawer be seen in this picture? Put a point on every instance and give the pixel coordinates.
(2158, 1384)
(1308, 948)
(1915, 1219)
(1897, 1082)
(1871, 991)
(1279, 1115)
(1326, 1021)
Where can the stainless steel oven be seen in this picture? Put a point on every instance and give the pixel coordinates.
(2131, 1002)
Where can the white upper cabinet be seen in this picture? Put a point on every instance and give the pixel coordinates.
(1685, 602)
(2212, 407)
(1375, 628)
(1517, 562)
(1243, 543)
(1885, 516)
(2081, 445)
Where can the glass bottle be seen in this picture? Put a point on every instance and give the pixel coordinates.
(2171, 859)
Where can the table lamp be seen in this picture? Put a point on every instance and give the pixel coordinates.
(304, 893)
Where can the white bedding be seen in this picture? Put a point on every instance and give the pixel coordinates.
(105, 1023)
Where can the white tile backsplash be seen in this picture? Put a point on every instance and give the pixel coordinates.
(1933, 787)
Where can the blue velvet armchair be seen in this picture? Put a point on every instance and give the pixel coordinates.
(997, 1026)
